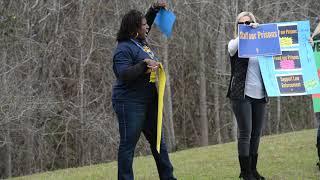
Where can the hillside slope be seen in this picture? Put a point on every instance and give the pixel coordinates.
(287, 156)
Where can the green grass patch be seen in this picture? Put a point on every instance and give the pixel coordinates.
(290, 156)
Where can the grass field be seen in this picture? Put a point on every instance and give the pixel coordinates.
(290, 156)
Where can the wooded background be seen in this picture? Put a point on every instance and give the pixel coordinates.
(56, 78)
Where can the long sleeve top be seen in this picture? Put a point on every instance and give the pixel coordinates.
(132, 82)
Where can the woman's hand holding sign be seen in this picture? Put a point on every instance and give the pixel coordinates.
(254, 25)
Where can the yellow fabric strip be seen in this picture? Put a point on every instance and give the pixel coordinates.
(153, 77)
(161, 87)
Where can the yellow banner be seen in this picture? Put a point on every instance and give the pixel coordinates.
(161, 87)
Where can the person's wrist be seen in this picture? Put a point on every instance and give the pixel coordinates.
(158, 5)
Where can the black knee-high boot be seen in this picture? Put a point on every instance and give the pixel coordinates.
(246, 172)
(255, 173)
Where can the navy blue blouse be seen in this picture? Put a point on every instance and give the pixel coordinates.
(137, 88)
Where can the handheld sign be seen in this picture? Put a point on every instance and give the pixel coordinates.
(164, 21)
(260, 41)
(294, 72)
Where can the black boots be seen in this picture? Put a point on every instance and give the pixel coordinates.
(248, 165)
(246, 173)
(254, 159)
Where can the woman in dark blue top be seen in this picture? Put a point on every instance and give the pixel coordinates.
(134, 98)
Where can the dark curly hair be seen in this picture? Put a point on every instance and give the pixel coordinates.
(130, 25)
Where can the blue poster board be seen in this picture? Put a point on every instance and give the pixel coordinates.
(260, 41)
(164, 21)
(293, 72)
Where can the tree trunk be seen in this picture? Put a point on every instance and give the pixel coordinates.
(203, 96)
(220, 59)
(216, 112)
(278, 118)
(269, 121)
(8, 143)
(234, 120)
(81, 85)
(168, 98)
(184, 98)
(28, 123)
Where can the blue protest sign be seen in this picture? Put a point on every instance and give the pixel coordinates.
(260, 41)
(294, 72)
(164, 21)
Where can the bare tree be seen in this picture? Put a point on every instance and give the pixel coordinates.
(203, 86)
(168, 98)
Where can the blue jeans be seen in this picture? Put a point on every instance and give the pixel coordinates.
(250, 115)
(134, 118)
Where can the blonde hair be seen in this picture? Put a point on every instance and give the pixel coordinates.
(242, 14)
(316, 31)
